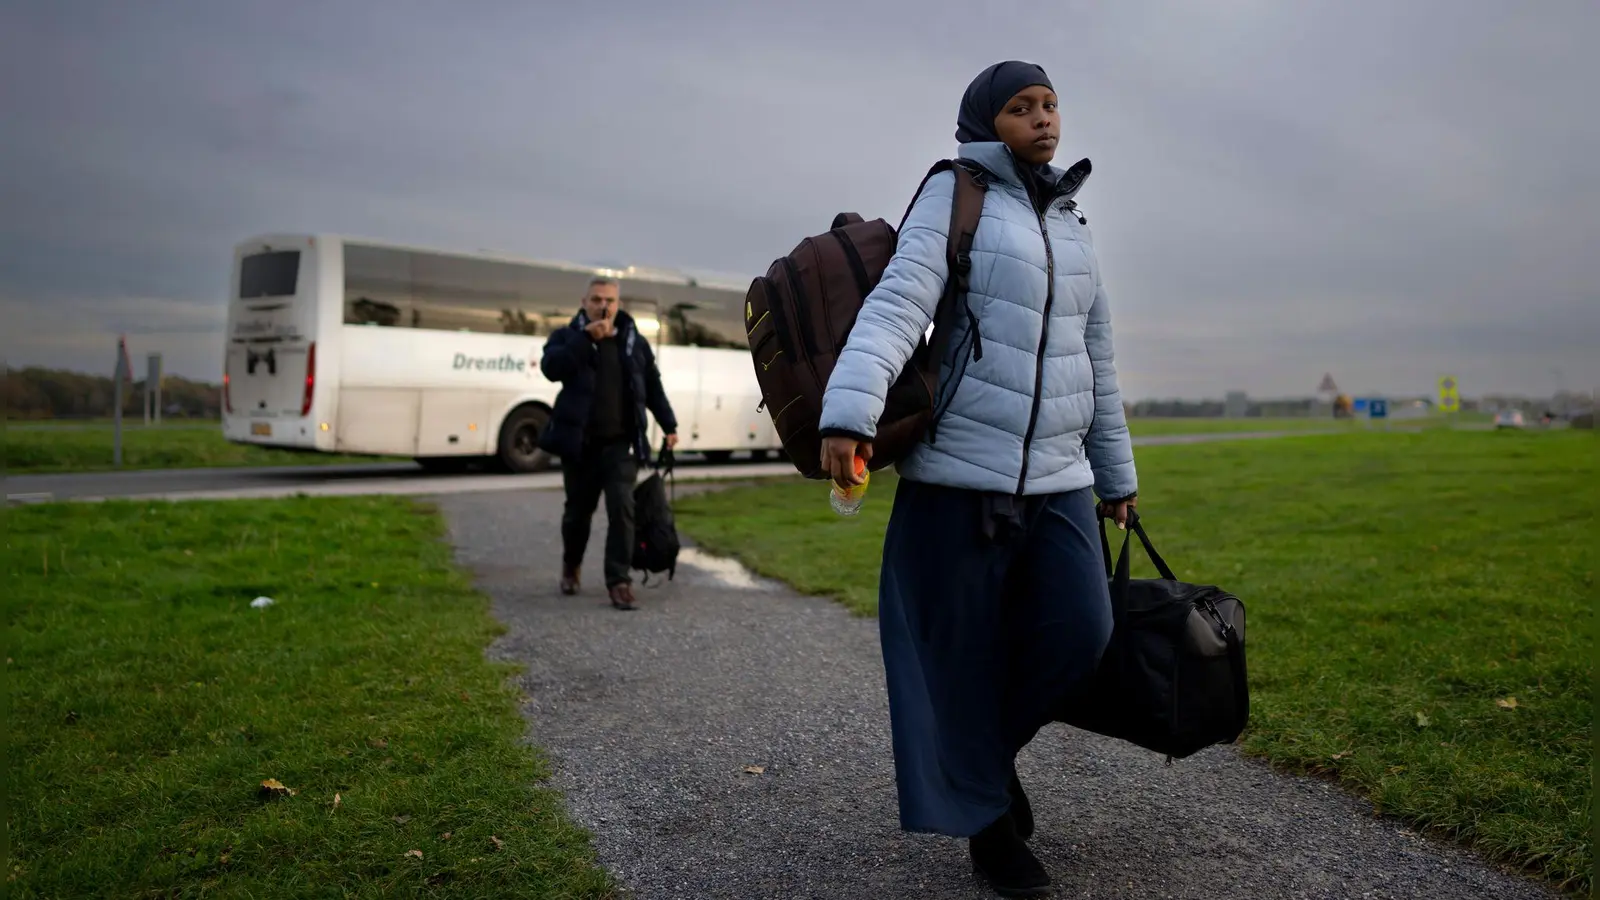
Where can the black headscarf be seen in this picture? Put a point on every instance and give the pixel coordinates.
(986, 96)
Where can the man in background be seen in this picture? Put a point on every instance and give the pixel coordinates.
(599, 429)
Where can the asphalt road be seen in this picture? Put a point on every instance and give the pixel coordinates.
(381, 478)
(730, 739)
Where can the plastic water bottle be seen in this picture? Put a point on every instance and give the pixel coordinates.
(846, 501)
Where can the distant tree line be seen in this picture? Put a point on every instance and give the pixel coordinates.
(39, 393)
(1201, 409)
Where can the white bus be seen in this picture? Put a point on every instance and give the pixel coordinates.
(354, 346)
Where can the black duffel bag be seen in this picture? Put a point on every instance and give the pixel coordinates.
(1172, 678)
(655, 533)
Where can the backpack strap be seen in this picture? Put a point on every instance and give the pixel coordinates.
(943, 165)
(966, 208)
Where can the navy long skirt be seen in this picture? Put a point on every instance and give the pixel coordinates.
(983, 637)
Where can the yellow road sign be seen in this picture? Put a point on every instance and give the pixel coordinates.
(1449, 394)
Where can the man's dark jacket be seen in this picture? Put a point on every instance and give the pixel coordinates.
(569, 357)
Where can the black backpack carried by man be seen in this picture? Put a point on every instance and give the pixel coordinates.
(1173, 677)
(655, 534)
(799, 314)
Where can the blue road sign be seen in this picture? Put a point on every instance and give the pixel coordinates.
(1378, 408)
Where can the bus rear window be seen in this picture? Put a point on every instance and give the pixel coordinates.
(269, 274)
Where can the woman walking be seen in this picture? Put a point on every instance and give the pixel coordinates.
(993, 603)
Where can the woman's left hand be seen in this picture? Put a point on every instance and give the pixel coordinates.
(1118, 510)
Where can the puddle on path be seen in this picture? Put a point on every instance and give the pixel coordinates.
(729, 573)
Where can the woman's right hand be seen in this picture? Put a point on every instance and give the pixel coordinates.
(839, 459)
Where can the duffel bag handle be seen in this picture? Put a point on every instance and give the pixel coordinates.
(664, 464)
(1121, 573)
(1137, 527)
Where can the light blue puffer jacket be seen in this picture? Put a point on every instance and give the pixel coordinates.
(1079, 434)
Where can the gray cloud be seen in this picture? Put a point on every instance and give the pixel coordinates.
(1385, 191)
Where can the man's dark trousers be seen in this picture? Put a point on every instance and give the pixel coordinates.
(607, 468)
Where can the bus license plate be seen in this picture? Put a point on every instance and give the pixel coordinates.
(262, 428)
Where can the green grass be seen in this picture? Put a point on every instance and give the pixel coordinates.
(30, 448)
(149, 702)
(1151, 426)
(1400, 587)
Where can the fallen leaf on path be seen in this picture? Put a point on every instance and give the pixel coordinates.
(1422, 719)
(498, 844)
(272, 787)
(1506, 703)
(416, 853)
(755, 770)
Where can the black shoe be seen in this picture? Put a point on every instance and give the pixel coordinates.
(1001, 857)
(1021, 809)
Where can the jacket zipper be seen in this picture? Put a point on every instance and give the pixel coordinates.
(1044, 338)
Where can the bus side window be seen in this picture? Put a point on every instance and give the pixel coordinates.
(377, 286)
(710, 321)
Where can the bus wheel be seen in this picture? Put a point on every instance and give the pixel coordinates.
(519, 440)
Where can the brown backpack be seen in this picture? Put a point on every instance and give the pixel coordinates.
(799, 315)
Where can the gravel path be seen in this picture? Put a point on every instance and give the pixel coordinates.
(653, 717)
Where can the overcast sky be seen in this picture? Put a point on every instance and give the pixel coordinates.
(1387, 191)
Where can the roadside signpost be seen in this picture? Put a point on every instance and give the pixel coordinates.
(123, 372)
(1378, 409)
(1449, 394)
(152, 389)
